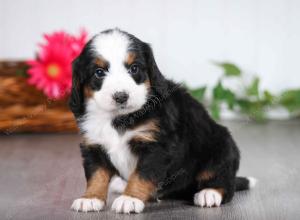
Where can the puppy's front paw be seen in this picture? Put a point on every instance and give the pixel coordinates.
(127, 204)
(87, 205)
(208, 198)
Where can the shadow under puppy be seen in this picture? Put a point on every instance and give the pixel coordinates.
(148, 130)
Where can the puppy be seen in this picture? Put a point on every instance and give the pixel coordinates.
(140, 126)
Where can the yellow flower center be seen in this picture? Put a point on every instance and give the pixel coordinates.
(53, 70)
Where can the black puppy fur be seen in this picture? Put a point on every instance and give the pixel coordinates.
(189, 142)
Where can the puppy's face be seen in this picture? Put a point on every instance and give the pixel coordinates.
(115, 70)
(119, 80)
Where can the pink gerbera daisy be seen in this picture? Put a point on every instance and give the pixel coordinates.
(52, 71)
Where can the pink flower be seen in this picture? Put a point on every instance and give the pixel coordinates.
(51, 71)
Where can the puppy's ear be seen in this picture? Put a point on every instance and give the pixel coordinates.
(157, 80)
(76, 101)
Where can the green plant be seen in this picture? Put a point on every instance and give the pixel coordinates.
(252, 101)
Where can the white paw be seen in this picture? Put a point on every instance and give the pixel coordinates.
(87, 205)
(208, 198)
(117, 185)
(127, 204)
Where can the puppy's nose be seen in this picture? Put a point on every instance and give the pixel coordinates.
(120, 97)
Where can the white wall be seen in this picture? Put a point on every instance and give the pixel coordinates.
(262, 36)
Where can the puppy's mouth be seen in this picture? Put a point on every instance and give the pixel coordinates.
(115, 108)
(124, 108)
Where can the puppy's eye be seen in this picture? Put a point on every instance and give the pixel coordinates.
(99, 73)
(134, 68)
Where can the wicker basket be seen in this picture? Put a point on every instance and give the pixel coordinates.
(25, 109)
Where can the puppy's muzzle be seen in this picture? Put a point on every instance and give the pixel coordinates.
(120, 98)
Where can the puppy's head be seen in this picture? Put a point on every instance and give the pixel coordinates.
(117, 71)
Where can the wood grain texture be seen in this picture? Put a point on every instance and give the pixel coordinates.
(42, 174)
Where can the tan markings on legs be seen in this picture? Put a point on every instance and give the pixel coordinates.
(147, 131)
(205, 175)
(97, 185)
(139, 188)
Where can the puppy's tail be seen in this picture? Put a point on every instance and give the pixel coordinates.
(244, 183)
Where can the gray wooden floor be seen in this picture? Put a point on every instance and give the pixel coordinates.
(40, 175)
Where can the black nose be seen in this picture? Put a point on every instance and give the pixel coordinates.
(120, 97)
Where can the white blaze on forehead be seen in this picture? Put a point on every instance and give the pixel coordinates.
(113, 47)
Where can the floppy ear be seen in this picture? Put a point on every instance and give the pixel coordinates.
(76, 101)
(157, 80)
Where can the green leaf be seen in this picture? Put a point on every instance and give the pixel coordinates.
(198, 93)
(222, 94)
(215, 110)
(290, 99)
(230, 69)
(230, 99)
(253, 89)
(268, 96)
(257, 113)
(253, 109)
(218, 91)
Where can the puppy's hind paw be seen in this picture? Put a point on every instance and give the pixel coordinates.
(208, 198)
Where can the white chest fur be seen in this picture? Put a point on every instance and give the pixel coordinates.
(98, 130)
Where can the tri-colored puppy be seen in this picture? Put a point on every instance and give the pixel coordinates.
(140, 126)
